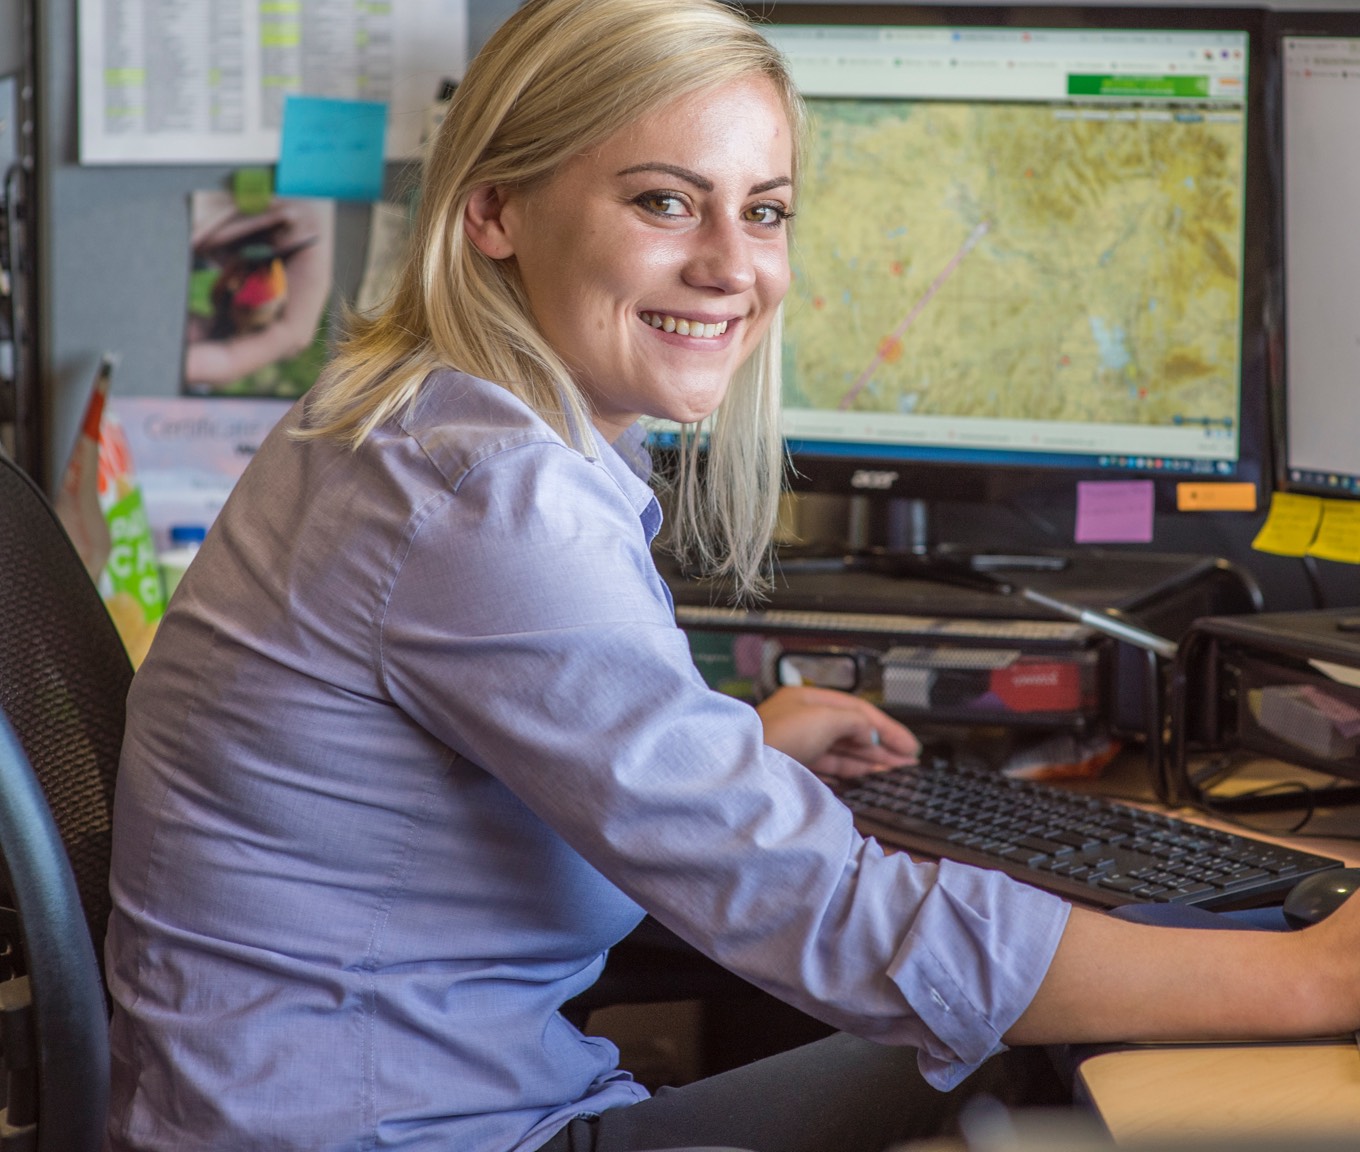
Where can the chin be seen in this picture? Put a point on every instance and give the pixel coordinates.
(693, 416)
(697, 410)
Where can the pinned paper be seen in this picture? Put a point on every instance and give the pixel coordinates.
(1338, 536)
(1114, 511)
(1210, 497)
(389, 229)
(1291, 525)
(332, 148)
(190, 451)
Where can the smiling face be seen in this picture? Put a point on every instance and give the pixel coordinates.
(654, 263)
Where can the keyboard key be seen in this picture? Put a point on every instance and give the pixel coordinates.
(1120, 883)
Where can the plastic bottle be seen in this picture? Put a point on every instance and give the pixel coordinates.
(184, 542)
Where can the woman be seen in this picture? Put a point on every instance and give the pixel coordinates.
(418, 740)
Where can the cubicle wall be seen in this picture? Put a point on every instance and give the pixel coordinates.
(113, 250)
(20, 424)
(115, 244)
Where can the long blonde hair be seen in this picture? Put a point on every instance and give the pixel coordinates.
(557, 78)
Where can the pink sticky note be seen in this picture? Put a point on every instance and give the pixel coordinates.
(1114, 511)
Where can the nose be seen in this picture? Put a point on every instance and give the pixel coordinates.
(722, 258)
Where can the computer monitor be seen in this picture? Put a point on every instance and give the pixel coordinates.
(1319, 108)
(1021, 248)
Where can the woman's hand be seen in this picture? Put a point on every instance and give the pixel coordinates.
(837, 735)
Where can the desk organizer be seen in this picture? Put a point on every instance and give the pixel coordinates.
(1284, 685)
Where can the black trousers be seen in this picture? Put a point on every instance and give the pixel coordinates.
(841, 1094)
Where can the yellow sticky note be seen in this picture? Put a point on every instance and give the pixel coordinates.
(1233, 497)
(1291, 525)
(1338, 536)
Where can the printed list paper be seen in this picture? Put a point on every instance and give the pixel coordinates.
(204, 81)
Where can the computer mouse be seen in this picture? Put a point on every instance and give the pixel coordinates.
(1317, 896)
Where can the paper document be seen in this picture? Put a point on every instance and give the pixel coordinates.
(204, 81)
(259, 285)
(190, 451)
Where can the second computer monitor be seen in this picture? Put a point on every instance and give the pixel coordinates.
(1319, 87)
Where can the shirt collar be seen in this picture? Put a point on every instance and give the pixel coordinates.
(630, 464)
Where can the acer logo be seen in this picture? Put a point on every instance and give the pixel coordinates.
(869, 478)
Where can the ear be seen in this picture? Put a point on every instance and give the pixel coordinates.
(483, 225)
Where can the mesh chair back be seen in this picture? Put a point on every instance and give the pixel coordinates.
(64, 677)
(56, 1051)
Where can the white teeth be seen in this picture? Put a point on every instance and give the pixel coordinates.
(685, 327)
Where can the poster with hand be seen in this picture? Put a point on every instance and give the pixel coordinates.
(259, 285)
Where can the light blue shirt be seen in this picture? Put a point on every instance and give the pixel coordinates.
(417, 742)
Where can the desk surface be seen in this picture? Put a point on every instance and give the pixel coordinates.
(1160, 1093)
(1330, 832)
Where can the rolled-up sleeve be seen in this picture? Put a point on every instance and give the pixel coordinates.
(973, 960)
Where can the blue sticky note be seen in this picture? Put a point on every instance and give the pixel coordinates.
(331, 148)
(1115, 511)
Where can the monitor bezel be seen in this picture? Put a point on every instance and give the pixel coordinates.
(1341, 22)
(973, 481)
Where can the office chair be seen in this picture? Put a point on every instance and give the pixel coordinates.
(64, 677)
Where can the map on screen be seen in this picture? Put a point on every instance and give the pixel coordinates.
(1019, 261)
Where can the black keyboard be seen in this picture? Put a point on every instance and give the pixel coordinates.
(1087, 848)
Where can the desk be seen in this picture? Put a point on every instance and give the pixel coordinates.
(1186, 1093)
(1151, 1093)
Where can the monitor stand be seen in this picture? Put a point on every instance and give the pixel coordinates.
(908, 555)
(908, 551)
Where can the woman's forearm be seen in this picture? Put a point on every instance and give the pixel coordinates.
(1115, 980)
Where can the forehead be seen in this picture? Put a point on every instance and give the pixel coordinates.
(741, 125)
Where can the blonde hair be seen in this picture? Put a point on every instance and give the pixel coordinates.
(557, 78)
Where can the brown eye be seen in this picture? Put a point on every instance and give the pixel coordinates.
(768, 215)
(661, 203)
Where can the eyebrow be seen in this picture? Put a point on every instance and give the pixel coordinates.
(702, 182)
